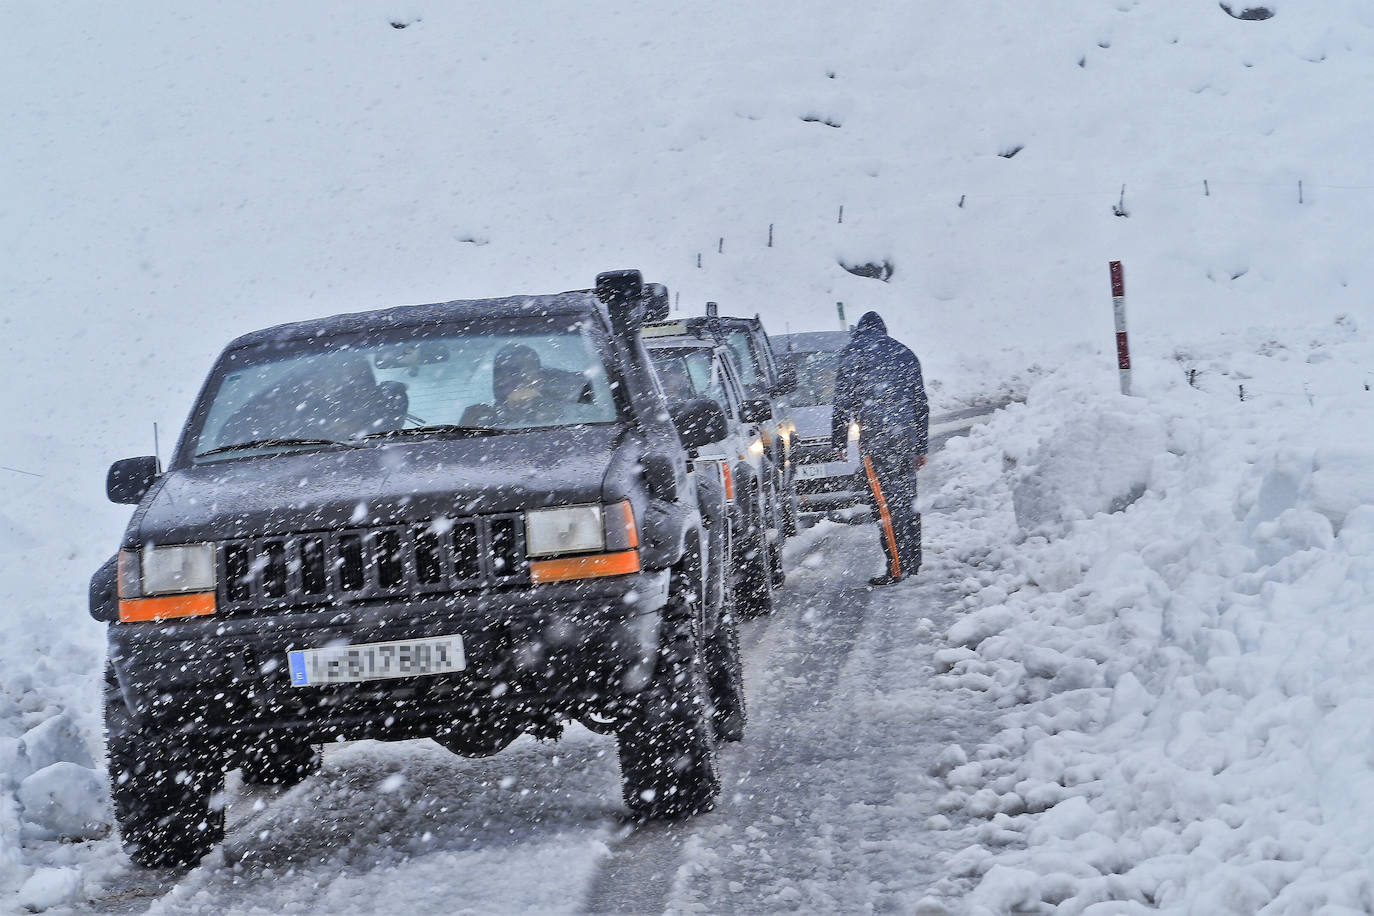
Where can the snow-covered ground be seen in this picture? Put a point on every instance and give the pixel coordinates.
(1162, 595)
(1189, 705)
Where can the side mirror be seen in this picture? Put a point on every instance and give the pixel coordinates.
(622, 292)
(130, 479)
(756, 411)
(699, 421)
(787, 381)
(656, 302)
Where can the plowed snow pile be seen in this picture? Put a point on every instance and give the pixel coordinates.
(1189, 695)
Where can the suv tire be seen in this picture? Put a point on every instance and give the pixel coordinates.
(165, 790)
(280, 762)
(755, 593)
(776, 533)
(667, 742)
(791, 506)
(725, 676)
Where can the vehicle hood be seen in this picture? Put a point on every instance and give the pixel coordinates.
(388, 483)
(813, 421)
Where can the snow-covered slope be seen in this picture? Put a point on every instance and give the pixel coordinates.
(172, 177)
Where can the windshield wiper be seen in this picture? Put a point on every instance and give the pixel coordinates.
(436, 429)
(271, 443)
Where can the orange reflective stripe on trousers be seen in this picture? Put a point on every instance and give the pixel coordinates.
(885, 517)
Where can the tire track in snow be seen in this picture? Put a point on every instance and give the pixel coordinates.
(639, 875)
(825, 802)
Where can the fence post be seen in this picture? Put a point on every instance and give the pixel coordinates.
(1123, 350)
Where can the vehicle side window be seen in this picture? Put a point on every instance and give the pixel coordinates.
(764, 347)
(741, 344)
(716, 388)
(731, 388)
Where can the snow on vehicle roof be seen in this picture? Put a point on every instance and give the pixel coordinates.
(810, 342)
(574, 302)
(678, 341)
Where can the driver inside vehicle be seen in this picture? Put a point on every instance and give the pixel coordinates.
(526, 392)
(677, 383)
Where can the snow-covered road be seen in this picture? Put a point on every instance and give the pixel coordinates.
(827, 803)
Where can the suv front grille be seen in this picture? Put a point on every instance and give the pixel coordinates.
(395, 561)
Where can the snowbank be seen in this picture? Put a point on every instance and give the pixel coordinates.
(1189, 699)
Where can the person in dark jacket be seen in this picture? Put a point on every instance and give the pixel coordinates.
(879, 387)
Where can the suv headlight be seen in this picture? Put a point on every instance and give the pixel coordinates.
(166, 570)
(567, 529)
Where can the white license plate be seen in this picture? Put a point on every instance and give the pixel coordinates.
(376, 661)
(808, 471)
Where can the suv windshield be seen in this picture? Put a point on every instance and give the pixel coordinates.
(484, 376)
(815, 378)
(688, 373)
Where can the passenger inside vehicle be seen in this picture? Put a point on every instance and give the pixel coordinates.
(527, 393)
(677, 383)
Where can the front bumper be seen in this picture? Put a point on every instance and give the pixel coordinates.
(536, 651)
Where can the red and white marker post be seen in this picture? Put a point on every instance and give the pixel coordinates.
(1123, 350)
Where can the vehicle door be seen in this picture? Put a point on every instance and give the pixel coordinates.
(747, 439)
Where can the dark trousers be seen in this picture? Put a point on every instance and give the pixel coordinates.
(892, 480)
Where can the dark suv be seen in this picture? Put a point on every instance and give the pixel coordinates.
(465, 521)
(692, 367)
(765, 382)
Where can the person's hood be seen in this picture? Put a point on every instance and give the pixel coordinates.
(871, 324)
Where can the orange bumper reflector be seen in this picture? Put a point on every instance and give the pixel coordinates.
(729, 479)
(197, 604)
(589, 567)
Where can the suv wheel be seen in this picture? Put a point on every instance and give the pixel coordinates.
(667, 742)
(164, 789)
(755, 593)
(776, 534)
(280, 762)
(725, 674)
(791, 507)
